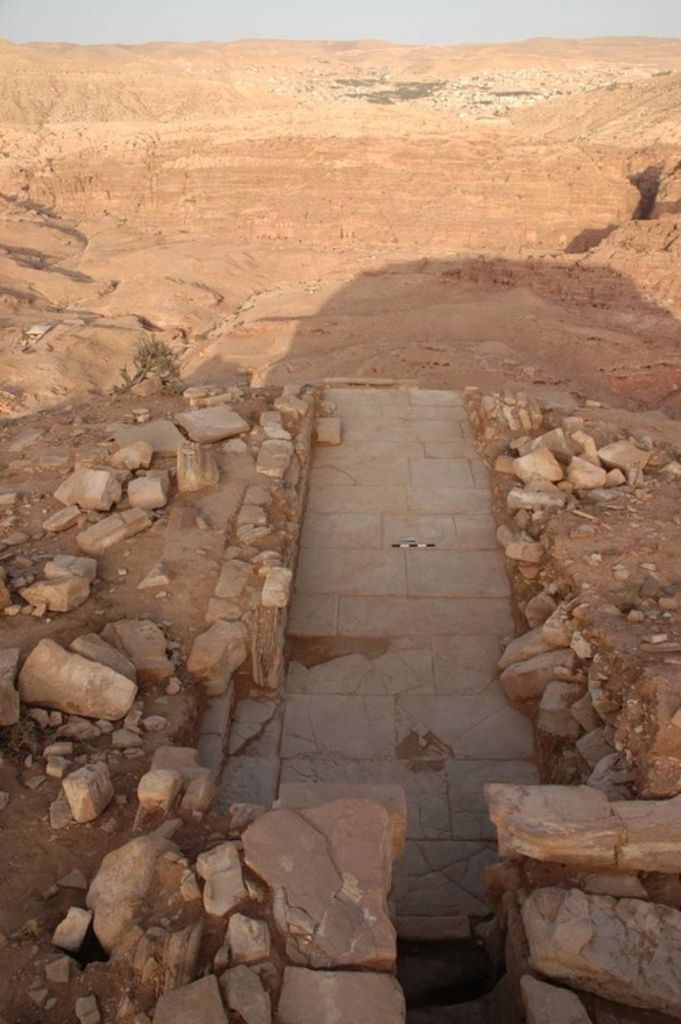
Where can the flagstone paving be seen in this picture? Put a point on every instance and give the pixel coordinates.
(410, 695)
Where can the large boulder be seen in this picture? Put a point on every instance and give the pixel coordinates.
(330, 867)
(54, 678)
(625, 950)
(124, 879)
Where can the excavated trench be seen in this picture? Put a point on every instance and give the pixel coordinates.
(401, 600)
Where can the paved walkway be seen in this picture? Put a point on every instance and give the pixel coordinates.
(396, 648)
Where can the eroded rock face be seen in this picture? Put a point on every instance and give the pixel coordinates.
(330, 868)
(54, 678)
(625, 950)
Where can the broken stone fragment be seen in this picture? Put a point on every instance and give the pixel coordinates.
(232, 579)
(197, 1003)
(593, 746)
(624, 950)
(87, 1011)
(145, 644)
(148, 492)
(529, 499)
(9, 696)
(54, 678)
(221, 870)
(538, 463)
(221, 649)
(96, 489)
(276, 590)
(248, 939)
(137, 455)
(340, 997)
(526, 680)
(196, 468)
(57, 595)
(62, 520)
(72, 565)
(113, 530)
(555, 706)
(328, 429)
(623, 455)
(89, 791)
(547, 1004)
(70, 933)
(584, 475)
(158, 790)
(91, 646)
(156, 577)
(212, 424)
(525, 551)
(274, 458)
(58, 971)
(245, 995)
(325, 846)
(524, 647)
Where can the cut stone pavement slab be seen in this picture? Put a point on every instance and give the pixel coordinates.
(342, 997)
(355, 727)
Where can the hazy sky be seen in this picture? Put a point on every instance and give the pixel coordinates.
(416, 21)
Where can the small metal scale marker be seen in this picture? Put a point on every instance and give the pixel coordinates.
(411, 543)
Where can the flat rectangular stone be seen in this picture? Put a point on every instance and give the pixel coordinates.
(465, 665)
(439, 530)
(391, 428)
(351, 571)
(353, 727)
(476, 532)
(342, 530)
(313, 615)
(431, 397)
(426, 616)
(441, 473)
(467, 780)
(214, 423)
(455, 448)
(444, 877)
(484, 727)
(162, 435)
(448, 499)
(247, 780)
(456, 573)
(374, 450)
(332, 498)
(354, 472)
(428, 814)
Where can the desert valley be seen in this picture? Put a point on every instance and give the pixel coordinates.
(340, 580)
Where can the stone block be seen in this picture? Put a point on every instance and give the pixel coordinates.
(112, 530)
(62, 520)
(57, 595)
(566, 824)
(245, 994)
(158, 790)
(93, 647)
(276, 590)
(547, 1004)
(71, 565)
(328, 429)
(212, 424)
(555, 715)
(584, 475)
(148, 492)
(623, 455)
(54, 678)
(89, 791)
(137, 455)
(96, 489)
(222, 648)
(196, 468)
(248, 939)
(162, 435)
(624, 950)
(224, 890)
(524, 647)
(274, 458)
(526, 680)
(538, 463)
(145, 644)
(343, 997)
(70, 932)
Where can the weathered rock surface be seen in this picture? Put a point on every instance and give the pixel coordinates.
(57, 595)
(54, 678)
(145, 644)
(547, 1004)
(196, 468)
(148, 492)
(245, 994)
(91, 646)
(97, 489)
(332, 865)
(345, 997)
(623, 455)
(526, 680)
(70, 932)
(89, 791)
(625, 950)
(224, 890)
(137, 455)
(539, 463)
(223, 648)
(124, 878)
(274, 458)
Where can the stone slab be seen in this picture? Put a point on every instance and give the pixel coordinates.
(162, 435)
(313, 615)
(333, 498)
(440, 473)
(465, 664)
(399, 670)
(354, 727)
(441, 878)
(433, 573)
(434, 529)
(475, 532)
(342, 530)
(452, 500)
(361, 471)
(466, 787)
(426, 616)
(352, 571)
(343, 997)
(483, 727)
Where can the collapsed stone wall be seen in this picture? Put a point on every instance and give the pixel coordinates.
(588, 891)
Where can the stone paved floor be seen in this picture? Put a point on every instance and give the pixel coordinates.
(410, 696)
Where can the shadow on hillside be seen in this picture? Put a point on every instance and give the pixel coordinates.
(582, 327)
